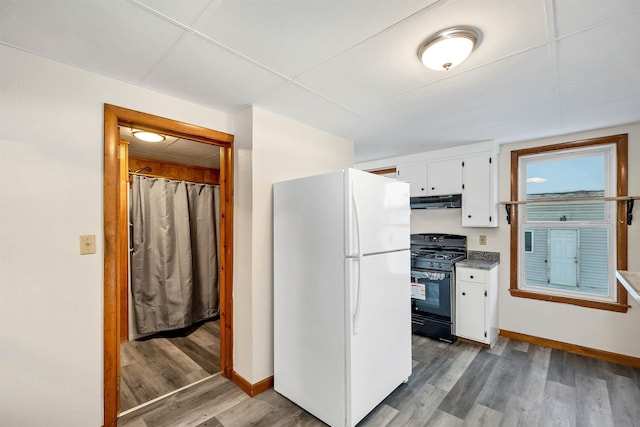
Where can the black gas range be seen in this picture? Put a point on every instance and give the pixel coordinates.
(433, 257)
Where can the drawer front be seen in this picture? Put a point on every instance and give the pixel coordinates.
(471, 275)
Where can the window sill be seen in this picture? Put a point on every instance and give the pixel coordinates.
(600, 305)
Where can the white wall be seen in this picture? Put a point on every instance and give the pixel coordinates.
(51, 186)
(599, 329)
(281, 149)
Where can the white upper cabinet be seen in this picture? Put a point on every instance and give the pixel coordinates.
(444, 177)
(470, 170)
(416, 175)
(479, 190)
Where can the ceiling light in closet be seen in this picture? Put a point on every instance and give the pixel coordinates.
(448, 48)
(147, 136)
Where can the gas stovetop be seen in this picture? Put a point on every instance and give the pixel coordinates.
(435, 255)
(437, 251)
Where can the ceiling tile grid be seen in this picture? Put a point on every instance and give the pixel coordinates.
(351, 67)
(208, 74)
(113, 38)
(292, 36)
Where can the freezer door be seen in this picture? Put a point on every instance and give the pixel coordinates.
(377, 214)
(379, 350)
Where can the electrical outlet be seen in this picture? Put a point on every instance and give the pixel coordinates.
(87, 244)
(483, 239)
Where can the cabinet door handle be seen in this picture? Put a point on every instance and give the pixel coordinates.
(471, 277)
(433, 188)
(464, 293)
(422, 189)
(469, 216)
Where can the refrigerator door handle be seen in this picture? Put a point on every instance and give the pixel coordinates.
(356, 218)
(356, 314)
(358, 258)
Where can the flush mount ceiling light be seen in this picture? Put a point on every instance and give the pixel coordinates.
(448, 48)
(147, 136)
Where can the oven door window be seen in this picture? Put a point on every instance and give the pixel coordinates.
(436, 296)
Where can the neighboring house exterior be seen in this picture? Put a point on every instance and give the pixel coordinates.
(587, 245)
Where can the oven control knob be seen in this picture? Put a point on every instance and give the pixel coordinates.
(431, 264)
(439, 265)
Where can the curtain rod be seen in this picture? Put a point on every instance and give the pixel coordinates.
(148, 175)
(628, 199)
(577, 199)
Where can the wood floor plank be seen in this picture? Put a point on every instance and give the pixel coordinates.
(205, 357)
(624, 395)
(464, 393)
(519, 346)
(521, 412)
(250, 413)
(558, 406)
(482, 416)
(589, 366)
(500, 346)
(499, 387)
(592, 406)
(443, 419)
(562, 368)
(453, 368)
(381, 416)
(418, 407)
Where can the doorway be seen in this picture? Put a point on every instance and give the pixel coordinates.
(115, 237)
(563, 256)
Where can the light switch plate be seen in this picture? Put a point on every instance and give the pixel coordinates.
(87, 244)
(483, 239)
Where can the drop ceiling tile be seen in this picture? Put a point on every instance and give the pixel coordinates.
(601, 50)
(512, 78)
(572, 16)
(387, 65)
(96, 35)
(614, 113)
(292, 36)
(185, 12)
(601, 90)
(380, 144)
(293, 101)
(202, 72)
(463, 125)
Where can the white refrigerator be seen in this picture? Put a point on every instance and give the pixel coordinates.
(342, 297)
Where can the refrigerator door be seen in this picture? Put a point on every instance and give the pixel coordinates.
(379, 350)
(377, 214)
(309, 295)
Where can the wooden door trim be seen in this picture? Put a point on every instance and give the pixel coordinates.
(113, 237)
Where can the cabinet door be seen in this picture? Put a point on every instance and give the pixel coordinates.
(416, 176)
(471, 311)
(444, 177)
(478, 198)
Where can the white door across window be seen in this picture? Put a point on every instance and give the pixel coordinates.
(563, 256)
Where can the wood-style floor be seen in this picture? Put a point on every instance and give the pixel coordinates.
(512, 384)
(155, 366)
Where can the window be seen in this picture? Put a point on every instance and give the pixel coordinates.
(568, 233)
(528, 241)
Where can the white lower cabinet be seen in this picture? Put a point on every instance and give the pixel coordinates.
(476, 304)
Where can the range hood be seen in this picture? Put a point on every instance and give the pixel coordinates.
(436, 202)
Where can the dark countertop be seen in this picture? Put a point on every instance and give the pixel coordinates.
(478, 264)
(480, 260)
